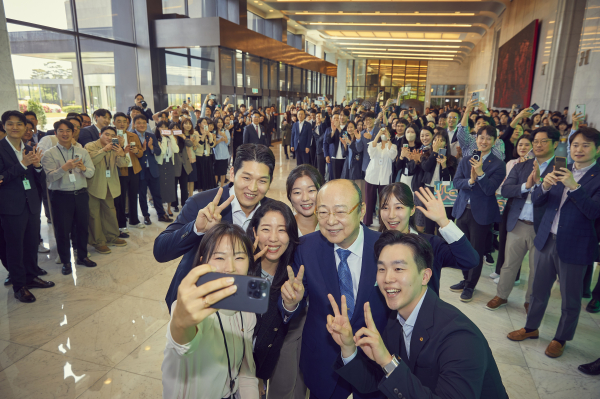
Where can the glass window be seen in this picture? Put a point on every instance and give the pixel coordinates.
(399, 73)
(173, 7)
(226, 67)
(360, 70)
(296, 79)
(239, 68)
(273, 75)
(359, 92)
(282, 77)
(204, 52)
(94, 98)
(203, 8)
(111, 98)
(189, 71)
(372, 73)
(112, 19)
(252, 71)
(256, 23)
(385, 73)
(310, 48)
(202, 72)
(265, 74)
(52, 13)
(46, 75)
(349, 70)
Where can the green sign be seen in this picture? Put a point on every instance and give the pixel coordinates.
(254, 91)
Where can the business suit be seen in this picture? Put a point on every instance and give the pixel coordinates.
(270, 124)
(335, 142)
(319, 351)
(449, 358)
(520, 232)
(180, 239)
(251, 136)
(19, 215)
(301, 141)
(567, 253)
(476, 219)
(318, 139)
(88, 134)
(149, 176)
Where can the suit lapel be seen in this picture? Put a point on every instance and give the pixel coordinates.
(489, 162)
(548, 169)
(368, 276)
(420, 335)
(9, 150)
(330, 274)
(589, 175)
(393, 334)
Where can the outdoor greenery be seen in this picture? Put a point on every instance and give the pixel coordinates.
(36, 107)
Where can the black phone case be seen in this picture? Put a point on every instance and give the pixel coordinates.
(558, 163)
(246, 298)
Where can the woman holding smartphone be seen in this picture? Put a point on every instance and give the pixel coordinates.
(450, 249)
(190, 134)
(410, 145)
(166, 163)
(286, 133)
(204, 161)
(209, 352)
(274, 230)
(221, 152)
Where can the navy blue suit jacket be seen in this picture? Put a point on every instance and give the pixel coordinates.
(180, 239)
(301, 139)
(484, 205)
(319, 137)
(512, 189)
(88, 134)
(319, 351)
(251, 136)
(13, 196)
(149, 156)
(576, 239)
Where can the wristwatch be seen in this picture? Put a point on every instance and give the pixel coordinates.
(389, 368)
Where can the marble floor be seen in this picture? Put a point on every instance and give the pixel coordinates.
(100, 333)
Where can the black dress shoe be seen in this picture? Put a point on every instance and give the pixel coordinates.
(8, 280)
(592, 368)
(66, 269)
(147, 220)
(593, 306)
(24, 295)
(165, 218)
(86, 262)
(40, 272)
(175, 209)
(123, 235)
(587, 295)
(39, 283)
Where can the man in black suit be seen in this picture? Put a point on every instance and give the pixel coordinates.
(253, 133)
(251, 174)
(442, 354)
(102, 117)
(270, 125)
(37, 134)
(20, 210)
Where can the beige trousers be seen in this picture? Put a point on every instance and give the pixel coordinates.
(104, 227)
(518, 242)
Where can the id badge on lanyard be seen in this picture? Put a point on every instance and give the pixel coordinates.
(26, 184)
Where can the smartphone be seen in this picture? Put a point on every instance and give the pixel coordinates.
(115, 141)
(1, 177)
(77, 157)
(442, 152)
(189, 100)
(213, 97)
(560, 162)
(476, 155)
(132, 144)
(119, 132)
(535, 107)
(251, 296)
(395, 101)
(475, 96)
(580, 109)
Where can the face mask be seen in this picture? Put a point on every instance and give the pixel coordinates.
(411, 136)
(384, 137)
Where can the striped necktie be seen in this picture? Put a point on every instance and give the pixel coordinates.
(345, 279)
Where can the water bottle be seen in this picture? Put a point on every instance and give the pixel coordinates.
(561, 150)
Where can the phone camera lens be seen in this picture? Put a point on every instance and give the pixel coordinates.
(253, 284)
(263, 286)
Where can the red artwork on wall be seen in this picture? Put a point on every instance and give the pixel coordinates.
(516, 66)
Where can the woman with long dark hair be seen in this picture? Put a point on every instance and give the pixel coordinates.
(408, 149)
(451, 248)
(206, 347)
(302, 186)
(204, 151)
(286, 133)
(277, 345)
(221, 152)
(166, 163)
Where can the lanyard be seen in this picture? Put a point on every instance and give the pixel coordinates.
(59, 150)
(231, 380)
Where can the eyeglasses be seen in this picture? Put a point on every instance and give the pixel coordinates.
(543, 142)
(339, 215)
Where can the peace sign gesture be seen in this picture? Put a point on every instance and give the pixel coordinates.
(369, 340)
(292, 291)
(210, 215)
(262, 252)
(339, 327)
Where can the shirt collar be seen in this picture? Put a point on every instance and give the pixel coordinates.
(357, 246)
(60, 146)
(486, 156)
(20, 148)
(584, 170)
(235, 204)
(412, 319)
(545, 164)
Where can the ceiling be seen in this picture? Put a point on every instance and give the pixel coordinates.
(428, 30)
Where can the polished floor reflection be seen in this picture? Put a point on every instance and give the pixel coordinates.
(100, 333)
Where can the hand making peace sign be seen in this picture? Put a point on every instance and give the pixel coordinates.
(211, 214)
(292, 291)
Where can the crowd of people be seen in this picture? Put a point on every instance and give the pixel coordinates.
(356, 261)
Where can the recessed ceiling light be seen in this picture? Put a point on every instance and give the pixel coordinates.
(386, 24)
(396, 39)
(403, 49)
(410, 58)
(270, 10)
(408, 14)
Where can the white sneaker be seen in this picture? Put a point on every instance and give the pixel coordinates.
(496, 280)
(124, 230)
(494, 275)
(42, 249)
(138, 226)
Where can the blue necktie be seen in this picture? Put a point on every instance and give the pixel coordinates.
(345, 278)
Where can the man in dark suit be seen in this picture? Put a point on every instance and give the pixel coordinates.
(270, 125)
(37, 134)
(251, 174)
(566, 241)
(253, 133)
(476, 207)
(318, 139)
(338, 260)
(523, 218)
(301, 136)
(313, 144)
(149, 175)
(20, 210)
(102, 118)
(429, 349)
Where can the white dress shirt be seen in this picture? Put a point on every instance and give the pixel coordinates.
(199, 369)
(354, 260)
(379, 171)
(237, 214)
(339, 154)
(19, 154)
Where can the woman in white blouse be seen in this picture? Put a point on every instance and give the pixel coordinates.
(379, 172)
(209, 353)
(302, 185)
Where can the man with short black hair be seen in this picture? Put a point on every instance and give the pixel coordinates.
(141, 103)
(37, 134)
(102, 117)
(87, 121)
(301, 137)
(428, 349)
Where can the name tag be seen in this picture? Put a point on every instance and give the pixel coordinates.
(71, 177)
(26, 184)
(108, 173)
(206, 152)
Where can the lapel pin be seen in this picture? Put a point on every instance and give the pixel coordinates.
(421, 339)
